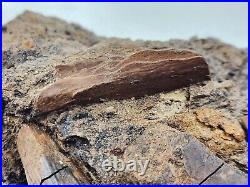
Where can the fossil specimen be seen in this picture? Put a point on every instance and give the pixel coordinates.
(145, 72)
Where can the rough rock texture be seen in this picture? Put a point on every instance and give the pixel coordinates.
(188, 133)
(177, 158)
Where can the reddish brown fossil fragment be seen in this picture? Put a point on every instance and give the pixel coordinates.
(42, 161)
(145, 72)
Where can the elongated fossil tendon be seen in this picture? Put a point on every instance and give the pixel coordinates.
(144, 72)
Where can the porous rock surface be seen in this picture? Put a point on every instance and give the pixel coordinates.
(187, 134)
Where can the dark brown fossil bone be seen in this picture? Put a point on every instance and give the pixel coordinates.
(145, 72)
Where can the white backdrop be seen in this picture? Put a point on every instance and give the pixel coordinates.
(150, 21)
